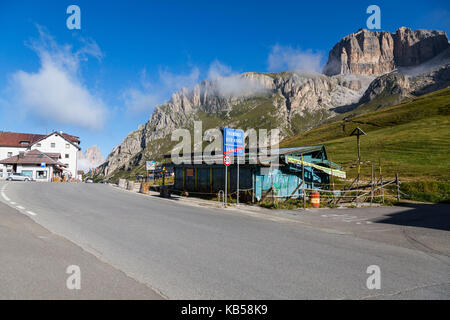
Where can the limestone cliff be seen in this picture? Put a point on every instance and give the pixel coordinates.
(378, 52)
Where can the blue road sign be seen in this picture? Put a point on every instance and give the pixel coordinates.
(233, 142)
(42, 164)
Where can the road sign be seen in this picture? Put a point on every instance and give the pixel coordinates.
(233, 141)
(42, 164)
(150, 165)
(226, 160)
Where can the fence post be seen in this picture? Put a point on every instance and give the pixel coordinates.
(371, 186)
(273, 195)
(398, 186)
(253, 186)
(303, 184)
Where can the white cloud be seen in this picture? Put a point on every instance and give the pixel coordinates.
(230, 83)
(147, 95)
(282, 58)
(56, 92)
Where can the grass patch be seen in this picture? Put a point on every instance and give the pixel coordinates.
(428, 191)
(412, 138)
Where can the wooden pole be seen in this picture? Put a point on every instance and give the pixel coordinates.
(332, 178)
(273, 194)
(303, 184)
(381, 181)
(359, 149)
(371, 186)
(398, 186)
(359, 167)
(357, 182)
(253, 186)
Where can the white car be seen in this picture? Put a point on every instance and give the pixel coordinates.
(18, 177)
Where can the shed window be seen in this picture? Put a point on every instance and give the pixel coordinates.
(53, 145)
(9, 154)
(67, 146)
(41, 174)
(67, 156)
(38, 144)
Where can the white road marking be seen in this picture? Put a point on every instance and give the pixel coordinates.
(3, 193)
(4, 196)
(31, 213)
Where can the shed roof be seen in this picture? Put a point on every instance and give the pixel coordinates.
(264, 157)
(31, 157)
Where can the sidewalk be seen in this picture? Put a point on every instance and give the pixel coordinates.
(33, 265)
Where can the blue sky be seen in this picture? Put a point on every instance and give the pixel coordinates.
(131, 55)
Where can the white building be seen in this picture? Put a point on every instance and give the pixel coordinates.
(36, 165)
(61, 146)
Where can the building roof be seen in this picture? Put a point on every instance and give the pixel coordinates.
(264, 156)
(14, 139)
(71, 139)
(31, 157)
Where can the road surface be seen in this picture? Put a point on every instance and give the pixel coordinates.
(192, 252)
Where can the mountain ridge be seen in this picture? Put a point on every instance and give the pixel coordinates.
(292, 101)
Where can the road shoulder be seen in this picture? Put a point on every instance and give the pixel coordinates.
(34, 262)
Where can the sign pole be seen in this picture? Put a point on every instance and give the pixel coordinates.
(226, 174)
(237, 197)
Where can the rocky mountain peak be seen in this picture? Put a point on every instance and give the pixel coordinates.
(91, 158)
(379, 52)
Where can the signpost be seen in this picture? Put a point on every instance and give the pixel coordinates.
(226, 162)
(150, 166)
(233, 143)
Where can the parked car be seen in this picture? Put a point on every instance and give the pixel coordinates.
(89, 180)
(18, 177)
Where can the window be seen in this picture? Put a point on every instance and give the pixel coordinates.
(9, 154)
(53, 145)
(28, 173)
(67, 156)
(38, 145)
(41, 174)
(67, 145)
(25, 142)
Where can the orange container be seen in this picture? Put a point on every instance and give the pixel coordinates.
(144, 187)
(315, 199)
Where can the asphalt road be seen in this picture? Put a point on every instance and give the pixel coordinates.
(34, 264)
(192, 252)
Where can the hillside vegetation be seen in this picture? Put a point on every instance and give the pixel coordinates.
(412, 138)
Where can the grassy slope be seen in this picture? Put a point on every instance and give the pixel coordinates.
(412, 138)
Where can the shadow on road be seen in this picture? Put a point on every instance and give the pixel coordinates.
(168, 198)
(432, 216)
